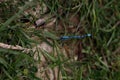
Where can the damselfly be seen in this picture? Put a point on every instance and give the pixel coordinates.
(74, 37)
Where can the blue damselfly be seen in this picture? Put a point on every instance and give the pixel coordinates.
(74, 37)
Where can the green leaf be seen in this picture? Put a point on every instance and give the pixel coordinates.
(8, 74)
(49, 35)
(3, 62)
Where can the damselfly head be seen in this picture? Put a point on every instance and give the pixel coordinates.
(89, 35)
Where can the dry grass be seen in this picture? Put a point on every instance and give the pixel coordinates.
(48, 58)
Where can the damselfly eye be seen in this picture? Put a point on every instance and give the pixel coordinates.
(89, 35)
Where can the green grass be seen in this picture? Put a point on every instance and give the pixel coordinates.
(99, 60)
